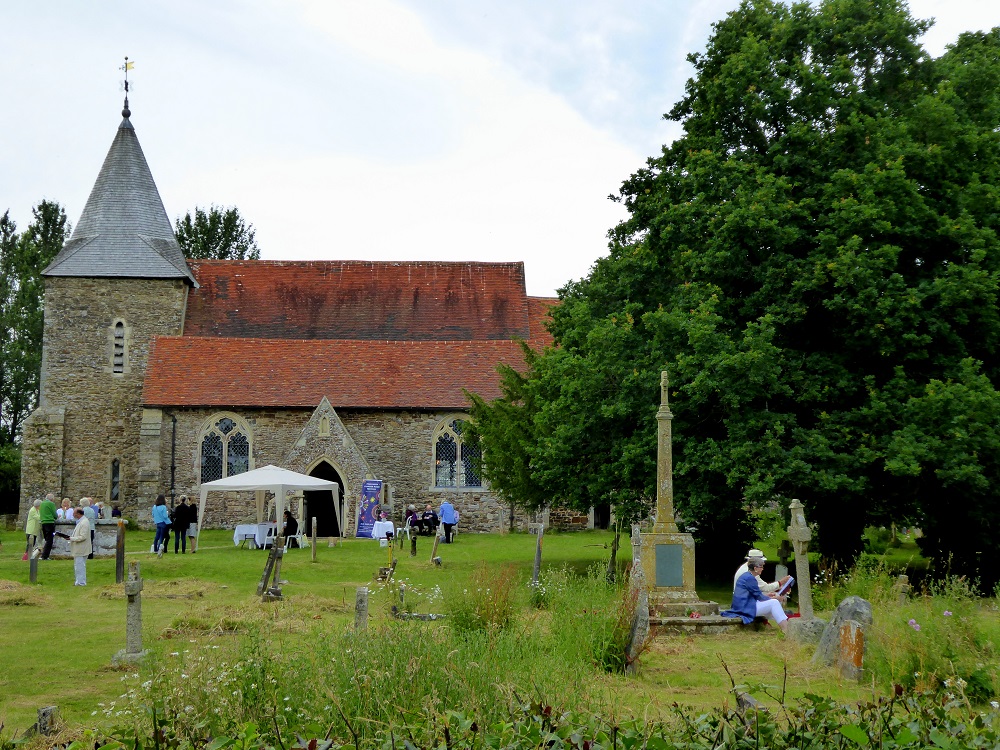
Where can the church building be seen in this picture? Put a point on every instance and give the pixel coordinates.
(160, 373)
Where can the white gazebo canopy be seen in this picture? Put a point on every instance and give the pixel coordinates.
(272, 478)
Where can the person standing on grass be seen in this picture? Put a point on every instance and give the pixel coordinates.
(161, 517)
(448, 519)
(47, 517)
(80, 547)
(192, 530)
(181, 519)
(32, 528)
(91, 514)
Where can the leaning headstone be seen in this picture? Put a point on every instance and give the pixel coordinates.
(806, 627)
(413, 545)
(852, 608)
(538, 555)
(639, 633)
(361, 609)
(851, 654)
(133, 619)
(434, 551)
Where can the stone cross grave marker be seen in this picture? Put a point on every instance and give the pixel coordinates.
(133, 651)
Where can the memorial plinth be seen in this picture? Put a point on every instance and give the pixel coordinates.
(667, 558)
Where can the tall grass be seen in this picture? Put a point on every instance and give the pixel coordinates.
(491, 654)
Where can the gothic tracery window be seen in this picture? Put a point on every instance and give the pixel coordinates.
(455, 458)
(225, 448)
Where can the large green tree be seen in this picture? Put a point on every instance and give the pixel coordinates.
(219, 233)
(815, 262)
(23, 256)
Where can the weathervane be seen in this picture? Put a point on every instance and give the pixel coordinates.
(126, 67)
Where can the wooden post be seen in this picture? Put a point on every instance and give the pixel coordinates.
(361, 609)
(268, 569)
(413, 544)
(120, 553)
(434, 551)
(313, 540)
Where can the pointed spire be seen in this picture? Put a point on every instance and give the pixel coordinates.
(124, 231)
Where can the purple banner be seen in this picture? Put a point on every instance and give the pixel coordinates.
(368, 508)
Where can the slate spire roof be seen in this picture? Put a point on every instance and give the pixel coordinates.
(124, 231)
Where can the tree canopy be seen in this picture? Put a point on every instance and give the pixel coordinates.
(23, 257)
(815, 263)
(219, 233)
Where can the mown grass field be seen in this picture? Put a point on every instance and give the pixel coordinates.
(58, 640)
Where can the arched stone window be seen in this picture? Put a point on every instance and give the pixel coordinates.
(455, 458)
(226, 444)
(119, 335)
(115, 483)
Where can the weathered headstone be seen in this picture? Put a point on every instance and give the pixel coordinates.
(538, 555)
(413, 545)
(806, 627)
(33, 565)
(48, 720)
(852, 608)
(902, 588)
(133, 651)
(851, 654)
(361, 609)
(640, 620)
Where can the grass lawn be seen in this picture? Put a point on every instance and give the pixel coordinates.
(59, 639)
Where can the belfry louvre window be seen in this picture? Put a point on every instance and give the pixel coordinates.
(118, 356)
(225, 448)
(455, 458)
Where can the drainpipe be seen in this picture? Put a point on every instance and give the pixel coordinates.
(173, 454)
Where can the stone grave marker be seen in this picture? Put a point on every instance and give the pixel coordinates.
(133, 650)
(806, 627)
(640, 620)
(361, 608)
(851, 652)
(852, 608)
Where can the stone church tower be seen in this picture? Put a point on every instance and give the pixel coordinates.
(120, 280)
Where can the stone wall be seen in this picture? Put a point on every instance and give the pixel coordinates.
(92, 411)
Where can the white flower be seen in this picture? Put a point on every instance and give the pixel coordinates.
(994, 704)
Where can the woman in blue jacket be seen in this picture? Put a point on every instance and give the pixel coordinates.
(750, 602)
(161, 517)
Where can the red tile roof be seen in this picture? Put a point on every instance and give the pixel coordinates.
(383, 301)
(538, 316)
(228, 372)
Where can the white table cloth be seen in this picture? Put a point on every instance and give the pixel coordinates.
(255, 532)
(381, 527)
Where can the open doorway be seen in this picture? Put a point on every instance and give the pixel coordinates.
(319, 503)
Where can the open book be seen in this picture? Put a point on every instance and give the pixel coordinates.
(784, 589)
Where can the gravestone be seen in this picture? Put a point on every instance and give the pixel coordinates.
(133, 651)
(361, 609)
(639, 633)
(852, 608)
(538, 555)
(33, 565)
(902, 588)
(851, 652)
(806, 628)
(312, 540)
(48, 720)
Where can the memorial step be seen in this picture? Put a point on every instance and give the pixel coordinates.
(683, 609)
(705, 625)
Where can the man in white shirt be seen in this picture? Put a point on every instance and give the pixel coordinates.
(765, 588)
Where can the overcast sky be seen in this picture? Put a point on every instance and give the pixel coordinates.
(368, 129)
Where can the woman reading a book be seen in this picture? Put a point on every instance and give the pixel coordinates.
(750, 602)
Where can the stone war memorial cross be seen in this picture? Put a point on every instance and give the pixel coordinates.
(667, 555)
(133, 619)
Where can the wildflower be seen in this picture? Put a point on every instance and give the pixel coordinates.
(947, 613)
(914, 624)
